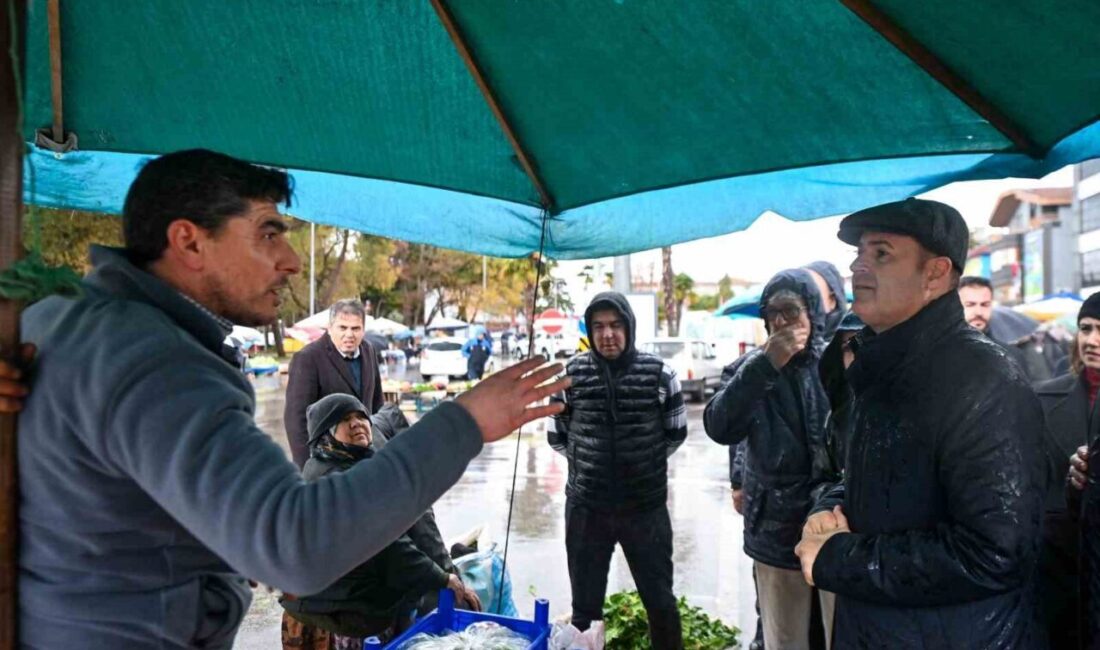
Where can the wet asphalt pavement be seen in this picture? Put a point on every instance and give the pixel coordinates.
(711, 569)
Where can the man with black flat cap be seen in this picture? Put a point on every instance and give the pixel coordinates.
(932, 539)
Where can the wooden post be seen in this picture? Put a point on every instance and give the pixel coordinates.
(13, 24)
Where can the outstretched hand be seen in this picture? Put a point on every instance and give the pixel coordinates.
(502, 402)
(13, 386)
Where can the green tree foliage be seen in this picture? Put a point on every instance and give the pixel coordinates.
(725, 289)
(704, 303)
(396, 277)
(67, 234)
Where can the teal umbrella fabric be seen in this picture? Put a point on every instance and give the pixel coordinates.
(621, 125)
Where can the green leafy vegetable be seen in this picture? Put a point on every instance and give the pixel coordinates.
(627, 625)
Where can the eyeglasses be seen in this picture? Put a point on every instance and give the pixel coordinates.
(789, 313)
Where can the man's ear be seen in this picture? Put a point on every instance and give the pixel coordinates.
(186, 242)
(937, 273)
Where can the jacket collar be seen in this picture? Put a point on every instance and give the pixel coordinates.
(115, 274)
(878, 356)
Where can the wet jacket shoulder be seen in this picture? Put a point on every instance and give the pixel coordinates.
(943, 490)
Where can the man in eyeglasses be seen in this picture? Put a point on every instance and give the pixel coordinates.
(772, 398)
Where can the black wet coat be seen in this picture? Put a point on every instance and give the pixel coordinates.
(617, 445)
(944, 484)
(828, 468)
(781, 416)
(1069, 425)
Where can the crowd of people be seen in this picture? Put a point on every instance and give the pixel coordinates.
(902, 475)
(903, 482)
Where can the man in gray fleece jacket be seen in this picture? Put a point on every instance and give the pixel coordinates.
(148, 492)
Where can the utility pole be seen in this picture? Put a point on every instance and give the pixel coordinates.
(312, 252)
(622, 278)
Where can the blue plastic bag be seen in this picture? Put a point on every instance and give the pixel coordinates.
(482, 572)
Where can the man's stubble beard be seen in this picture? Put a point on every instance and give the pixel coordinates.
(220, 301)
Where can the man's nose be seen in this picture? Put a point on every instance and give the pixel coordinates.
(857, 265)
(288, 260)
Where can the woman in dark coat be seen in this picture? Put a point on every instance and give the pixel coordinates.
(377, 597)
(1072, 423)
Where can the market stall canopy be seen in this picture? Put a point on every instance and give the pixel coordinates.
(384, 326)
(316, 321)
(630, 123)
(1052, 307)
(245, 337)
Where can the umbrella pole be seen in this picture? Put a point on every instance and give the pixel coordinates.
(12, 46)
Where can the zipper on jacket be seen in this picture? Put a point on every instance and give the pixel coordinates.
(613, 411)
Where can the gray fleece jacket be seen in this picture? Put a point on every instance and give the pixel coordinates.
(148, 492)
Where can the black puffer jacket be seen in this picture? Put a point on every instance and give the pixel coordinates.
(944, 485)
(781, 416)
(617, 446)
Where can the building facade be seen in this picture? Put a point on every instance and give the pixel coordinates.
(1037, 256)
(1086, 208)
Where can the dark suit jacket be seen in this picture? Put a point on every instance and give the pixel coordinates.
(319, 370)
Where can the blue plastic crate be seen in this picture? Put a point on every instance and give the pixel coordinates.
(446, 617)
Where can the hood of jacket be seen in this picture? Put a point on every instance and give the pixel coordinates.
(802, 283)
(618, 302)
(836, 286)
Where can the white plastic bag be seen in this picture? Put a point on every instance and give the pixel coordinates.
(484, 635)
(567, 637)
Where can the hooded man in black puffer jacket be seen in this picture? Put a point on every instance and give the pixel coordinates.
(624, 416)
(774, 401)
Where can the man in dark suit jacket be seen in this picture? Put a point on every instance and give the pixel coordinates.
(339, 362)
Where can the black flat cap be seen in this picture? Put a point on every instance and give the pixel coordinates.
(937, 226)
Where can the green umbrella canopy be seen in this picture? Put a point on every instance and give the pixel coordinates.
(635, 123)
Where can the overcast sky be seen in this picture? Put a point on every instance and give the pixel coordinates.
(774, 243)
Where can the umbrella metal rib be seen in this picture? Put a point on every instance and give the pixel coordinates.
(941, 72)
(525, 159)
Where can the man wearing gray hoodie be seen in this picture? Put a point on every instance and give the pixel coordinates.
(148, 493)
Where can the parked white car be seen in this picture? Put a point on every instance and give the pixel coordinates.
(551, 346)
(696, 364)
(555, 346)
(442, 357)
